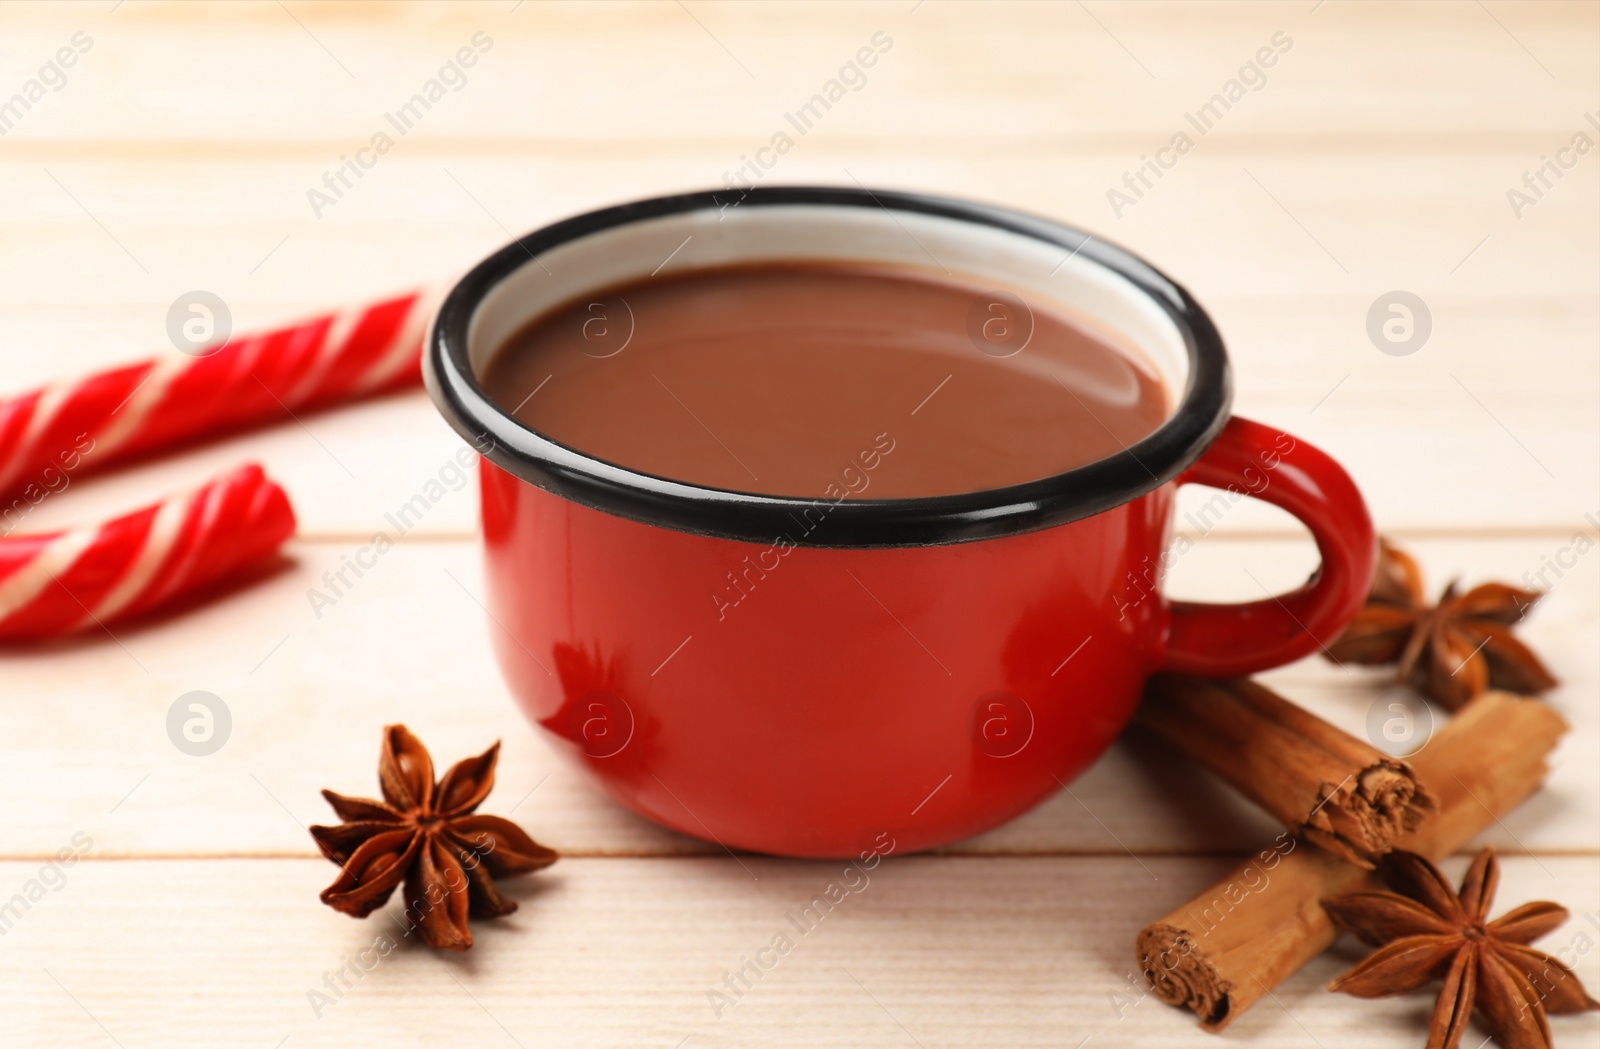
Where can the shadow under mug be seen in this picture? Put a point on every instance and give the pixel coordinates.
(829, 677)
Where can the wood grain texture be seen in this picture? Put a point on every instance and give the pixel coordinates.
(1358, 223)
(1024, 73)
(925, 951)
(308, 697)
(1424, 435)
(178, 153)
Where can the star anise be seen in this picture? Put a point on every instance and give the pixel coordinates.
(1451, 651)
(1425, 931)
(424, 833)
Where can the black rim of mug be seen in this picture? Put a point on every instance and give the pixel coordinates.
(1158, 458)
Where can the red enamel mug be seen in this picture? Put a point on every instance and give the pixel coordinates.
(910, 670)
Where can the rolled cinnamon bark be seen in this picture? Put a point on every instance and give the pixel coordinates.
(1324, 785)
(1225, 949)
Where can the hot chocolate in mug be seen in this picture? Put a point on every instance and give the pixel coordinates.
(808, 675)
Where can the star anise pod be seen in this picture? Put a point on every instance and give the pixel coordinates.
(425, 834)
(1425, 931)
(1451, 651)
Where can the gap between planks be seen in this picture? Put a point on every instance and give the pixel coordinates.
(573, 147)
(711, 854)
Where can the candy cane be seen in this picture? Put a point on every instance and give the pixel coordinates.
(62, 582)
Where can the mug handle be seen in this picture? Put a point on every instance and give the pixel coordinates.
(1231, 640)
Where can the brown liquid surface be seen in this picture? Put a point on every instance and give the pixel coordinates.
(786, 379)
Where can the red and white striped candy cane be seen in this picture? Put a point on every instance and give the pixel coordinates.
(61, 582)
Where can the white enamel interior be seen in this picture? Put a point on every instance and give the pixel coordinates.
(1042, 274)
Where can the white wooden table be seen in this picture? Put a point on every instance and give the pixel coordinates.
(177, 155)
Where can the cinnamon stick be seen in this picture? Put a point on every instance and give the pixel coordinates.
(1225, 949)
(1324, 785)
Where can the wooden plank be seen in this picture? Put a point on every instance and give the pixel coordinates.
(1424, 436)
(1247, 222)
(928, 952)
(1012, 75)
(85, 739)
